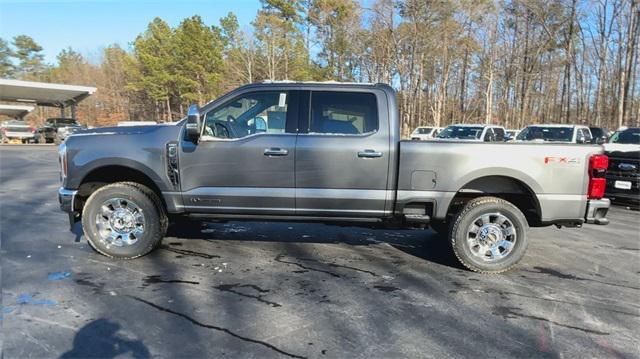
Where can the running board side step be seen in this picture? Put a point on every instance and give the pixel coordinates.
(417, 218)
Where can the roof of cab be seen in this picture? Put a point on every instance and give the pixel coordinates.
(556, 125)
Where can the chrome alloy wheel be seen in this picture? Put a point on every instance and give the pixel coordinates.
(491, 237)
(120, 222)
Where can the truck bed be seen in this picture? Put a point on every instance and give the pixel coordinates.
(556, 174)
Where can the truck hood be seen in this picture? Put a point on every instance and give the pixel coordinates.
(123, 130)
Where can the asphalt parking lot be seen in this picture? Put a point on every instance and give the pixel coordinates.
(255, 289)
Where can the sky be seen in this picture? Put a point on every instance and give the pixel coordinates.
(89, 25)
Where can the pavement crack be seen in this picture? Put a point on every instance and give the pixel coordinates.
(512, 313)
(214, 327)
(558, 274)
(153, 279)
(187, 252)
(231, 289)
(279, 259)
(335, 265)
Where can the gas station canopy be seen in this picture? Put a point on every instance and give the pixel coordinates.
(43, 94)
(15, 111)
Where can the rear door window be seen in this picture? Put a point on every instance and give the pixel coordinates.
(499, 133)
(345, 113)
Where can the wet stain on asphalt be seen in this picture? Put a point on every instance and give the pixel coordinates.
(386, 288)
(217, 328)
(557, 274)
(154, 279)
(186, 252)
(87, 281)
(514, 313)
(233, 288)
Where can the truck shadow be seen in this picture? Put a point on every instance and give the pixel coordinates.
(424, 244)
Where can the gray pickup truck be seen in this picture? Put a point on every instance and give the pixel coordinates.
(326, 152)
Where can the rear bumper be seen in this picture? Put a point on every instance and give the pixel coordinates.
(21, 136)
(597, 211)
(66, 198)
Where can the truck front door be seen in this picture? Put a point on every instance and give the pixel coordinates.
(244, 161)
(343, 154)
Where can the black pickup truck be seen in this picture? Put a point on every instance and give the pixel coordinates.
(324, 152)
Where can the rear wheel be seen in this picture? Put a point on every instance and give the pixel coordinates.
(489, 235)
(123, 220)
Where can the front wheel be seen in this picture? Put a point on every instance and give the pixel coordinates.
(489, 235)
(123, 220)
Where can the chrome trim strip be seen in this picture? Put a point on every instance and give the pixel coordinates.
(369, 194)
(239, 192)
(287, 209)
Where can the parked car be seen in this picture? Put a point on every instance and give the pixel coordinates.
(623, 175)
(511, 135)
(335, 155)
(424, 133)
(56, 130)
(473, 133)
(556, 133)
(17, 131)
(600, 135)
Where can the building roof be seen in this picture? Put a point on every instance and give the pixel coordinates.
(43, 94)
(15, 110)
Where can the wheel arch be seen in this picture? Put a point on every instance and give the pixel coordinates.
(511, 189)
(111, 173)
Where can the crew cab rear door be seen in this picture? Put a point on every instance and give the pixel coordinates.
(342, 154)
(244, 161)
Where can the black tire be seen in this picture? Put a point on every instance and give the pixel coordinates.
(463, 221)
(164, 217)
(155, 219)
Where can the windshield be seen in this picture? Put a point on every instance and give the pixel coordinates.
(423, 130)
(462, 132)
(628, 136)
(598, 132)
(551, 134)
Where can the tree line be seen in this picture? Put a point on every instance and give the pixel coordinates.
(509, 62)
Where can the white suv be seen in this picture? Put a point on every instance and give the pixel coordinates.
(425, 133)
(556, 133)
(474, 133)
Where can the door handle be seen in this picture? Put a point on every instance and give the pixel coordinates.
(369, 154)
(275, 152)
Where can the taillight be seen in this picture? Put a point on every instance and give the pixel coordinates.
(597, 169)
(33, 130)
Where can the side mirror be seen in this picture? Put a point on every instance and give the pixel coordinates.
(194, 124)
(601, 140)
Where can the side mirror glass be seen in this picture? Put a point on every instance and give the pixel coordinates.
(194, 124)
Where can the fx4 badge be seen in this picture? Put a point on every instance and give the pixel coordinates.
(566, 160)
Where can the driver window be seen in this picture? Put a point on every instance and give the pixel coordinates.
(488, 135)
(249, 114)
